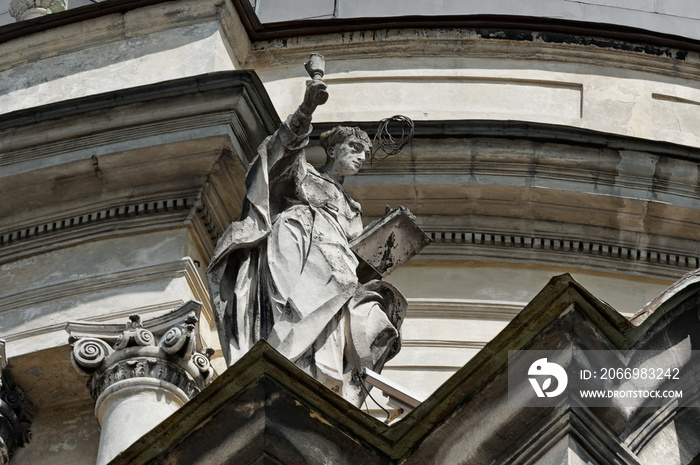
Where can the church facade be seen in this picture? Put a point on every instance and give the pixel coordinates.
(553, 163)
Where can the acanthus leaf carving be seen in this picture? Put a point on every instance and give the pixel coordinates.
(137, 352)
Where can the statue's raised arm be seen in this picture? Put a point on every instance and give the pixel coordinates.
(285, 271)
(271, 178)
(291, 138)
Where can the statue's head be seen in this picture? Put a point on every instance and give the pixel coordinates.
(346, 148)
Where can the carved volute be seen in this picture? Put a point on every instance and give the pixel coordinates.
(140, 372)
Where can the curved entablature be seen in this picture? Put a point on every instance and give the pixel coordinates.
(276, 18)
(493, 190)
(631, 82)
(613, 17)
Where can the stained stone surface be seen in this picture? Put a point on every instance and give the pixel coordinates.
(578, 155)
(469, 419)
(286, 272)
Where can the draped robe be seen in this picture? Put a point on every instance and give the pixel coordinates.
(285, 273)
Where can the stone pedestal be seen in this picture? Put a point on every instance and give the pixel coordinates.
(139, 374)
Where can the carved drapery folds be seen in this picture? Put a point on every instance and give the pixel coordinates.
(14, 417)
(139, 373)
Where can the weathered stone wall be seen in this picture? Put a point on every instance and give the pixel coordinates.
(453, 74)
(153, 44)
(609, 194)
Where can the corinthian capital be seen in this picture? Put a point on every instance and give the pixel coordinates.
(164, 348)
(140, 372)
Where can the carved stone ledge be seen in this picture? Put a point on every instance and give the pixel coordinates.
(92, 219)
(15, 419)
(663, 262)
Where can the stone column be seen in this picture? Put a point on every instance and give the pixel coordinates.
(14, 418)
(139, 373)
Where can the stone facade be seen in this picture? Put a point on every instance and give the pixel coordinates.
(449, 427)
(541, 147)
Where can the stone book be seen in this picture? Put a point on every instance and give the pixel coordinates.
(387, 243)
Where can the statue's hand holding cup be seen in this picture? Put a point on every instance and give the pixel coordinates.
(316, 67)
(316, 94)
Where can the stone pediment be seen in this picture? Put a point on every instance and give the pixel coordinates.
(265, 410)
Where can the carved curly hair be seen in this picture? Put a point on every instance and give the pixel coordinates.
(338, 134)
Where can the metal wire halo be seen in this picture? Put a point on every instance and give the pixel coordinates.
(388, 143)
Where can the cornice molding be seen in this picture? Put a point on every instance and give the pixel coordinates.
(236, 99)
(60, 327)
(259, 32)
(520, 24)
(182, 268)
(526, 130)
(205, 129)
(493, 44)
(93, 284)
(586, 253)
(79, 142)
(63, 232)
(425, 307)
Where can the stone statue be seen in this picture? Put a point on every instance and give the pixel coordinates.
(286, 273)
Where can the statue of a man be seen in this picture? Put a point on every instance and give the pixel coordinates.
(285, 272)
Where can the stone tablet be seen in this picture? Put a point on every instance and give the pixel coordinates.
(387, 244)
